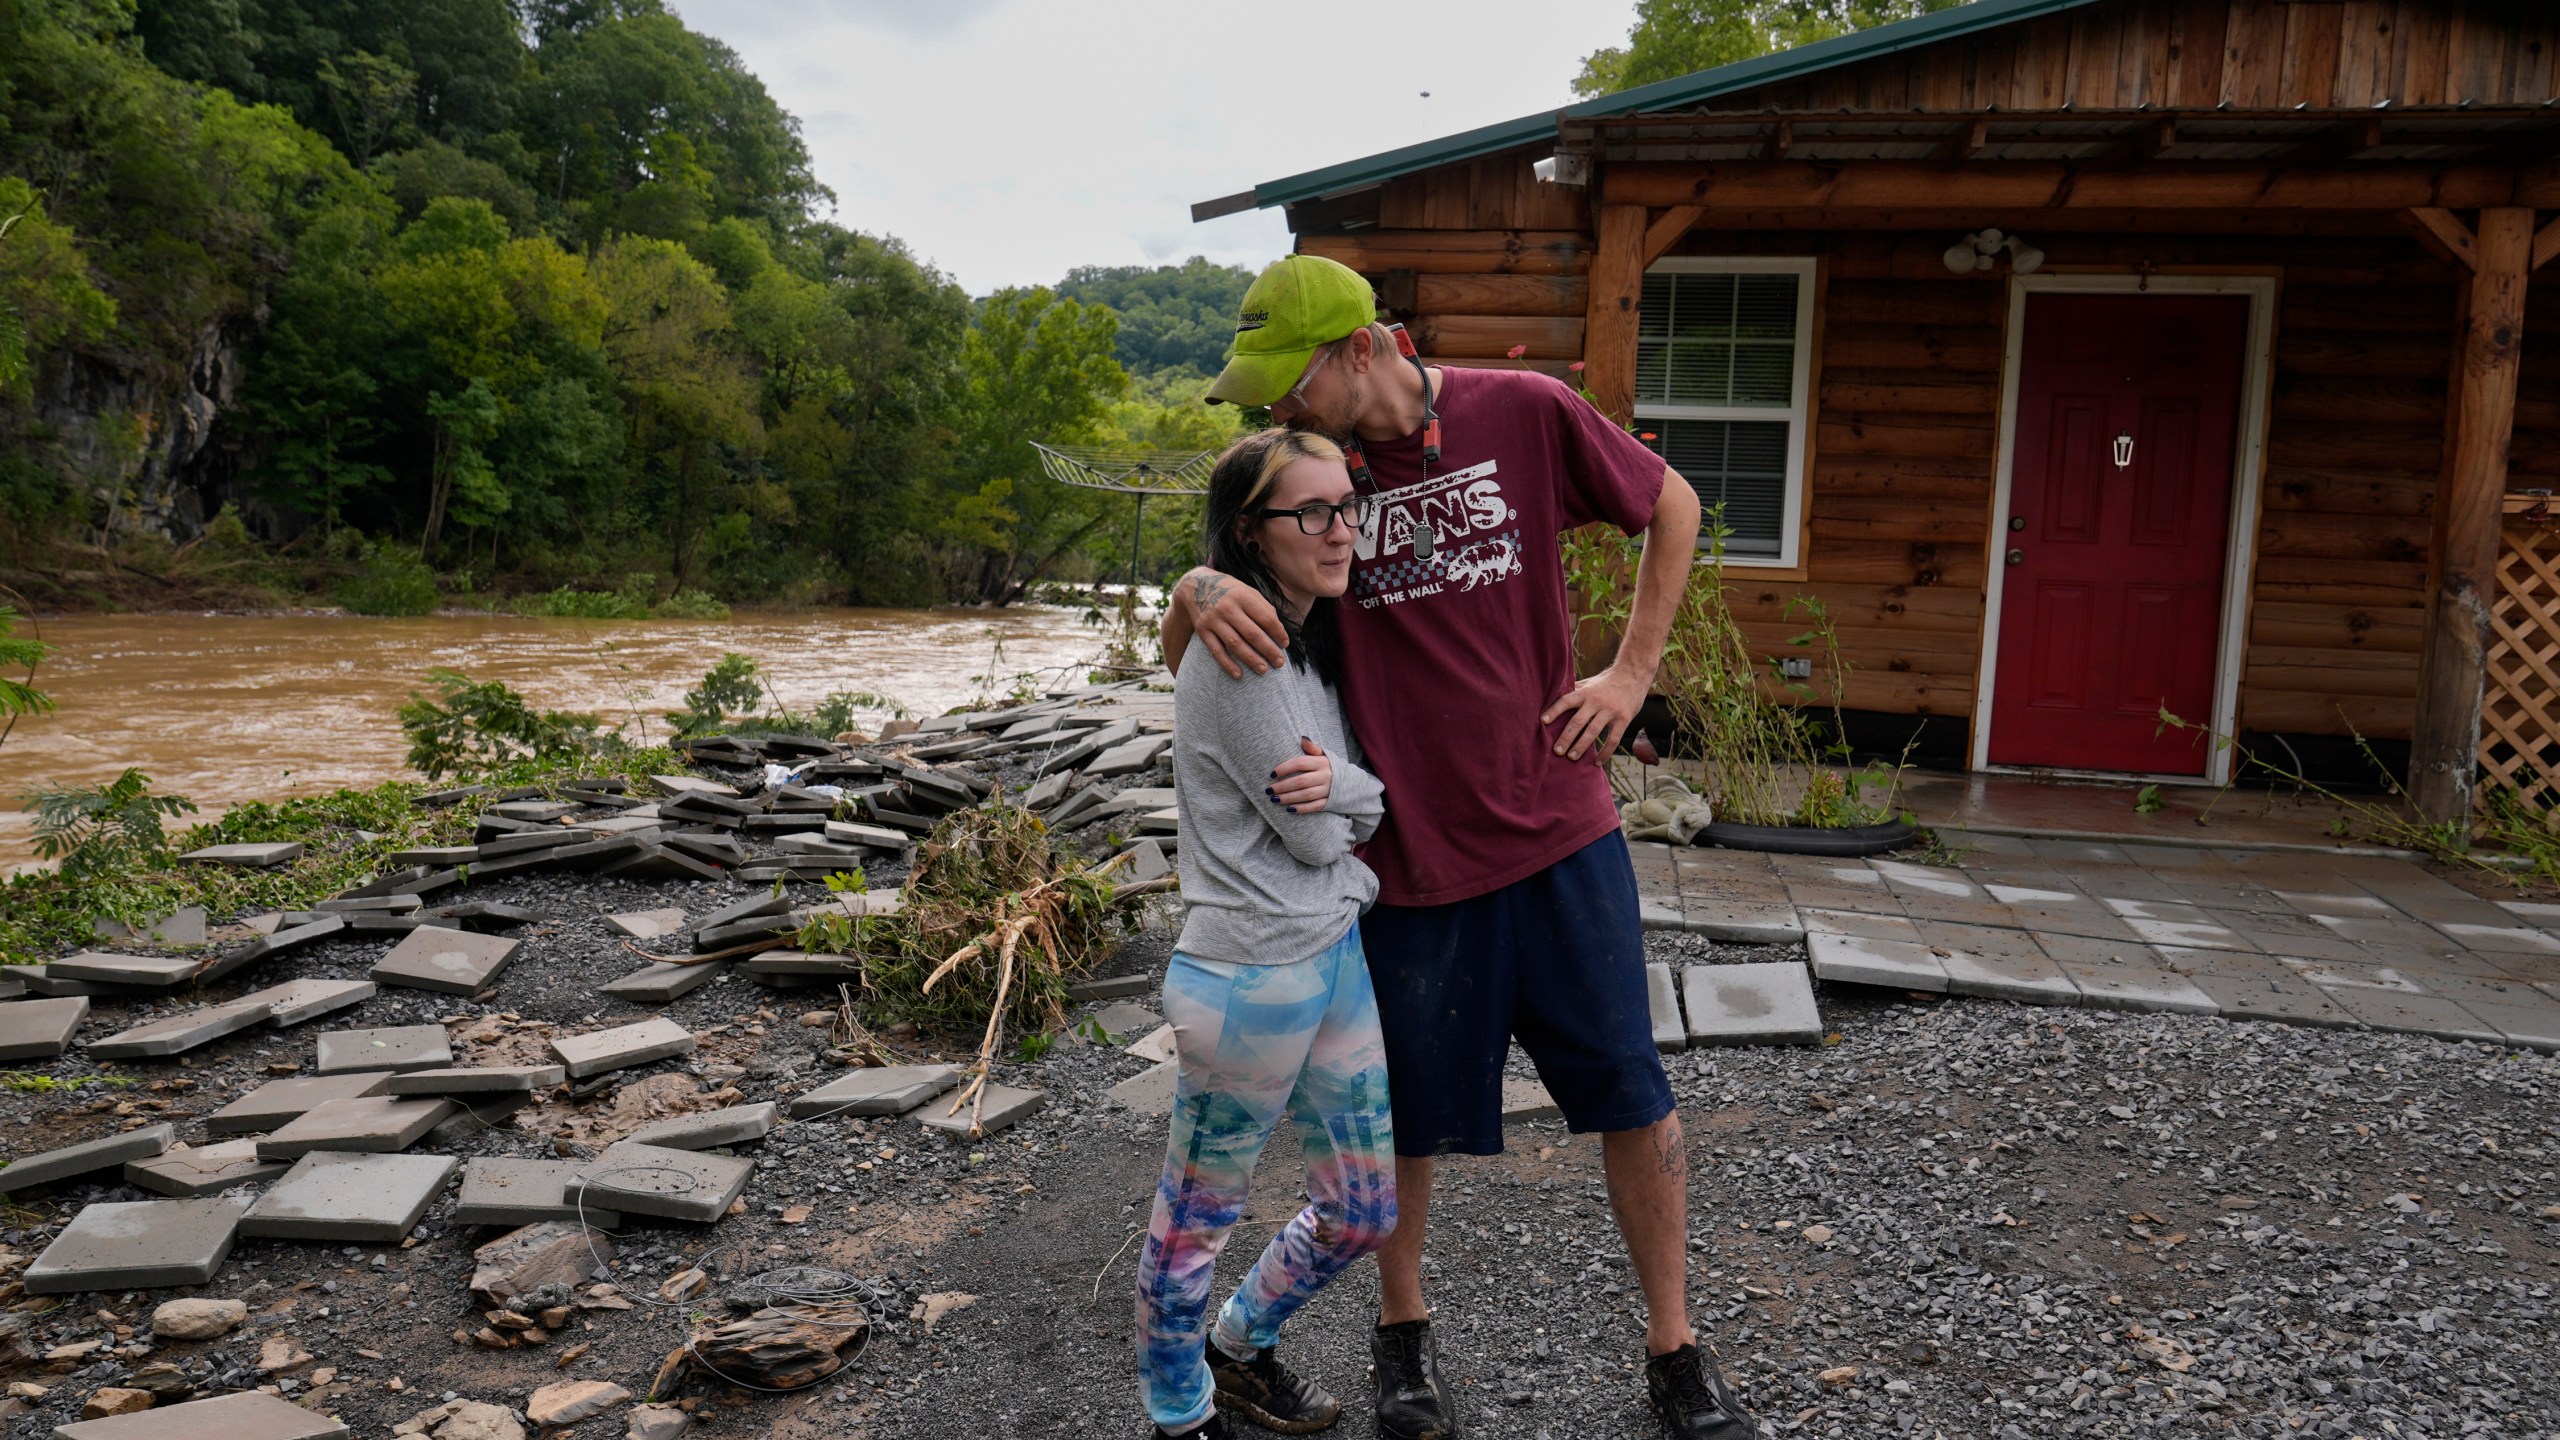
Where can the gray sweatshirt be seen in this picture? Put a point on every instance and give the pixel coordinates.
(1265, 886)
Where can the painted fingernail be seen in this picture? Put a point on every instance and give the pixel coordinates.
(1274, 794)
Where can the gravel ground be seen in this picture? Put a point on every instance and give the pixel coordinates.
(2034, 1222)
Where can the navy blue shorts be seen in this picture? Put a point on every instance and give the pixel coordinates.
(1556, 961)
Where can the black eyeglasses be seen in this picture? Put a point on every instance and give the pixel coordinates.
(1316, 519)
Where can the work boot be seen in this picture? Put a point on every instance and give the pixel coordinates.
(1412, 1403)
(1263, 1391)
(1690, 1394)
(1213, 1428)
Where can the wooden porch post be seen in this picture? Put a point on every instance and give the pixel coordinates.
(1609, 329)
(2444, 750)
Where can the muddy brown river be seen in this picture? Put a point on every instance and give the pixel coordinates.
(226, 708)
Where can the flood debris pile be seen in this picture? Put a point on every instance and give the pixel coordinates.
(279, 1108)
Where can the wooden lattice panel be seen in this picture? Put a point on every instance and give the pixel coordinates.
(2520, 704)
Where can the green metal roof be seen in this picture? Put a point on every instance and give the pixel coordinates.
(1662, 95)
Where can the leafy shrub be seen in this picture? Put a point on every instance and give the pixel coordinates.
(731, 687)
(470, 728)
(576, 604)
(97, 831)
(849, 710)
(692, 605)
(19, 697)
(391, 581)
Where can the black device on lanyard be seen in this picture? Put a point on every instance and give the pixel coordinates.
(1423, 546)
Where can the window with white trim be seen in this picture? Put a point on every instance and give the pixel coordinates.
(1724, 351)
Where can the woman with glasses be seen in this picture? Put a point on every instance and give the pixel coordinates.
(1268, 992)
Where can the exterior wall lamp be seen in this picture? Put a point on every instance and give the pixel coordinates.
(1981, 250)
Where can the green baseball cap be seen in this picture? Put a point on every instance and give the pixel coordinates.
(1301, 303)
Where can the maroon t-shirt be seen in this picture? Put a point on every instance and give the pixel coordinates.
(1448, 662)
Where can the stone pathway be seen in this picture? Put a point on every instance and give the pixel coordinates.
(2350, 941)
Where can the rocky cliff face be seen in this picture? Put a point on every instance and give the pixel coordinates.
(140, 441)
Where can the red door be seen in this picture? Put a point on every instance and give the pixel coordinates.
(2117, 531)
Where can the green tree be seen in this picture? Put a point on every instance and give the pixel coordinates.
(47, 296)
(1172, 317)
(1681, 37)
(670, 339)
(1033, 367)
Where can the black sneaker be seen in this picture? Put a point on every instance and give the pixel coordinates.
(1693, 1399)
(1412, 1403)
(1213, 1428)
(1263, 1391)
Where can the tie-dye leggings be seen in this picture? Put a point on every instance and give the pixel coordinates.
(1254, 1041)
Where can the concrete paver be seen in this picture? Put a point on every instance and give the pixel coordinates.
(1662, 1001)
(648, 924)
(396, 1047)
(2120, 975)
(247, 856)
(105, 1153)
(1997, 964)
(105, 967)
(660, 981)
(1852, 959)
(882, 1090)
(449, 962)
(638, 1179)
(40, 1029)
(295, 1001)
(1150, 1091)
(1769, 1004)
(1004, 1105)
(711, 1129)
(501, 1190)
(189, 1171)
(136, 1245)
(597, 1051)
(370, 1124)
(173, 1034)
(332, 1195)
(241, 1415)
(475, 1080)
(279, 1102)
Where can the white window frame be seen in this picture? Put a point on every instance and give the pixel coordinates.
(1799, 411)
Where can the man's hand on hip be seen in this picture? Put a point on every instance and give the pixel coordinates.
(1602, 708)
(1233, 619)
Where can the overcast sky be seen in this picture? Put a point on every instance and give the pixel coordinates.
(1008, 140)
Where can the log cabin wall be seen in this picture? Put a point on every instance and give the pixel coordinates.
(1906, 423)
(2196, 54)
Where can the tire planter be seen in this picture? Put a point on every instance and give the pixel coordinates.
(1808, 840)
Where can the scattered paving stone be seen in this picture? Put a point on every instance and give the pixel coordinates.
(1766, 1004)
(1662, 999)
(1150, 1091)
(242, 1415)
(475, 1080)
(571, 1401)
(848, 833)
(600, 1050)
(1129, 758)
(285, 939)
(883, 1090)
(1146, 862)
(1125, 1022)
(332, 1195)
(1525, 1099)
(42, 980)
(1005, 1105)
(693, 785)
(451, 962)
(709, 1129)
(40, 1029)
(395, 1048)
(186, 1172)
(652, 1180)
(278, 1102)
(183, 1031)
(502, 1190)
(105, 1153)
(197, 1318)
(246, 856)
(138, 1245)
(1856, 960)
(662, 981)
(369, 1124)
(104, 967)
(648, 924)
(296, 1001)
(1154, 1047)
(801, 962)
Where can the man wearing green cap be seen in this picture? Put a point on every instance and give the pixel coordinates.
(1507, 903)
